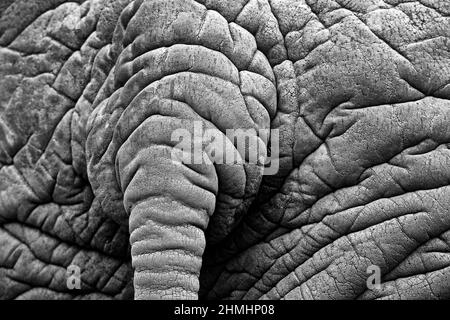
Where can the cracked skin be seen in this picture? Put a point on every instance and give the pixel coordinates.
(91, 90)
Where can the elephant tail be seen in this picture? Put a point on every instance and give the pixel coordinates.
(173, 71)
(169, 206)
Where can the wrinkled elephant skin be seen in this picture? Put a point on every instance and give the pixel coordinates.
(91, 92)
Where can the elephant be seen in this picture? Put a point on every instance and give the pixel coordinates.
(97, 201)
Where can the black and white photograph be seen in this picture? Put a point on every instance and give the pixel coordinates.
(217, 150)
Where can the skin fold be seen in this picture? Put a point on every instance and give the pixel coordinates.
(91, 92)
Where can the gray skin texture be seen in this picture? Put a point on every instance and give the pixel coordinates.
(90, 92)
